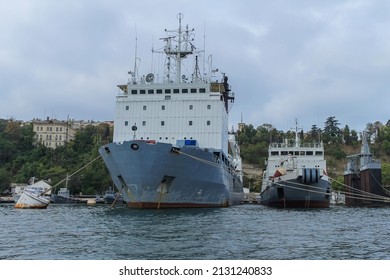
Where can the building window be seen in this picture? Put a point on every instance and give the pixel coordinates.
(150, 91)
(159, 91)
(167, 97)
(168, 90)
(208, 122)
(193, 90)
(202, 90)
(142, 91)
(60, 137)
(144, 108)
(184, 90)
(176, 90)
(60, 128)
(56, 128)
(190, 123)
(162, 123)
(133, 91)
(126, 123)
(191, 107)
(162, 107)
(127, 108)
(143, 123)
(208, 107)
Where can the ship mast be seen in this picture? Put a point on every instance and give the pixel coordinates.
(181, 50)
(297, 140)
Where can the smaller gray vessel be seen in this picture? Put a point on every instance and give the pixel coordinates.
(63, 197)
(295, 176)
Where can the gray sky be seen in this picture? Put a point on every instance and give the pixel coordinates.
(285, 59)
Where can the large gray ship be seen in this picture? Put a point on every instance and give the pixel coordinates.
(172, 147)
(295, 176)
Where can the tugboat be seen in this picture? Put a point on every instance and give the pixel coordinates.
(363, 179)
(110, 196)
(295, 176)
(63, 197)
(171, 143)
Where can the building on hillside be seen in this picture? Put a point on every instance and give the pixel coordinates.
(52, 133)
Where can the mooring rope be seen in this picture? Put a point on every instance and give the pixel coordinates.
(214, 164)
(360, 194)
(383, 188)
(363, 195)
(74, 173)
(305, 188)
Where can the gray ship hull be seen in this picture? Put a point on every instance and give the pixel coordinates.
(294, 194)
(158, 175)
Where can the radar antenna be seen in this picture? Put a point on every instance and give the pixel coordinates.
(150, 78)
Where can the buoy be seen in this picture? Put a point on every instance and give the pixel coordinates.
(91, 201)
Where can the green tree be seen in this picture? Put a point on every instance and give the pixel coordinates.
(386, 174)
(347, 135)
(314, 134)
(332, 132)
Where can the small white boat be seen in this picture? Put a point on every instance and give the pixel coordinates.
(33, 196)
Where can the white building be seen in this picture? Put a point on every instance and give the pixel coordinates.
(52, 133)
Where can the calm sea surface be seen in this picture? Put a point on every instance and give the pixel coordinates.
(65, 232)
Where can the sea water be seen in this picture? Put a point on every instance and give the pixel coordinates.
(245, 232)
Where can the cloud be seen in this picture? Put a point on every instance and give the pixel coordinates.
(285, 59)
